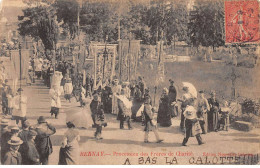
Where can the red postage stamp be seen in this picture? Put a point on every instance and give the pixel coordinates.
(242, 21)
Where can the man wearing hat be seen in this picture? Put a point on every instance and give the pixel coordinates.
(43, 141)
(106, 98)
(97, 114)
(24, 133)
(12, 156)
(148, 118)
(28, 150)
(4, 139)
(191, 124)
(20, 107)
(4, 126)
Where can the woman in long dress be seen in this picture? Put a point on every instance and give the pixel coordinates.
(213, 115)
(164, 113)
(69, 151)
(137, 103)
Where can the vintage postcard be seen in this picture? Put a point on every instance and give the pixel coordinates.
(130, 82)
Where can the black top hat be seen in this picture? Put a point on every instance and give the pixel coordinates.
(201, 91)
(41, 119)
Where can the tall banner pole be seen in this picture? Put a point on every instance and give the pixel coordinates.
(20, 55)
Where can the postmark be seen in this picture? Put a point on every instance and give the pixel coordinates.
(242, 21)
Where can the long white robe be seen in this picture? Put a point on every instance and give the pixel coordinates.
(115, 90)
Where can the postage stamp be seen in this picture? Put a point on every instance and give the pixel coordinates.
(242, 21)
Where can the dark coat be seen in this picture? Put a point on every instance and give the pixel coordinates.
(43, 141)
(24, 135)
(172, 94)
(5, 137)
(106, 99)
(97, 111)
(12, 158)
(164, 113)
(148, 116)
(30, 155)
(213, 114)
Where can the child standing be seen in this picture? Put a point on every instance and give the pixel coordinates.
(224, 121)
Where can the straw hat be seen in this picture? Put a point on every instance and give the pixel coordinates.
(15, 141)
(15, 127)
(4, 122)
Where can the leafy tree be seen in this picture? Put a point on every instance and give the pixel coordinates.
(134, 22)
(40, 23)
(67, 11)
(207, 24)
(167, 20)
(97, 20)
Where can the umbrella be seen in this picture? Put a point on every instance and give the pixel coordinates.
(192, 89)
(80, 118)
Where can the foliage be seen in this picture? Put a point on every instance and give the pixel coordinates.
(40, 23)
(97, 21)
(67, 11)
(133, 24)
(207, 24)
(147, 21)
(250, 106)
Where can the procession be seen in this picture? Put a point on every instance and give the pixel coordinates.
(62, 96)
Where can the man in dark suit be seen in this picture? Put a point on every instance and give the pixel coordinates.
(5, 138)
(13, 157)
(24, 133)
(30, 155)
(43, 141)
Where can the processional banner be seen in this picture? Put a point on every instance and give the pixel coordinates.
(129, 52)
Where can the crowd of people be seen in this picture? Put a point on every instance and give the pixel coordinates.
(127, 101)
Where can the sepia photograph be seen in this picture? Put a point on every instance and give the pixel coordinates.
(130, 82)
